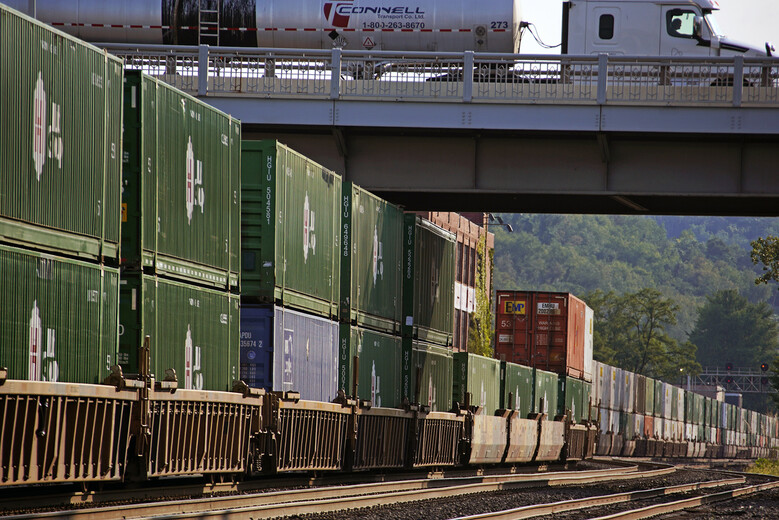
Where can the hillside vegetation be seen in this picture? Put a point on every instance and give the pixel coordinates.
(685, 259)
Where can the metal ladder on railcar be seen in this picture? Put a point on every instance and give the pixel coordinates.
(208, 23)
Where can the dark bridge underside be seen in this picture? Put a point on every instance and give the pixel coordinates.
(550, 172)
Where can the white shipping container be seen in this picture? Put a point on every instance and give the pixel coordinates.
(629, 391)
(658, 427)
(612, 390)
(667, 401)
(616, 401)
(589, 325)
(615, 422)
(690, 432)
(604, 420)
(680, 404)
(597, 379)
(638, 422)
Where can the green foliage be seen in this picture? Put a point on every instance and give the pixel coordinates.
(730, 329)
(624, 254)
(630, 332)
(764, 467)
(766, 251)
(480, 331)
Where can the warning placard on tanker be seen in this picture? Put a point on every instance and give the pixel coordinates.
(517, 307)
(548, 308)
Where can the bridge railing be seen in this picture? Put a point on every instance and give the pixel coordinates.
(459, 77)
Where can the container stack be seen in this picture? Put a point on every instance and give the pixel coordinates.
(290, 271)
(550, 333)
(180, 236)
(60, 182)
(370, 304)
(428, 313)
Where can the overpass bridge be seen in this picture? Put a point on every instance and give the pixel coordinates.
(514, 133)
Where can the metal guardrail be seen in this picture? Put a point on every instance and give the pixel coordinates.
(439, 77)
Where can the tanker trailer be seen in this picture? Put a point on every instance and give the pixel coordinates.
(395, 25)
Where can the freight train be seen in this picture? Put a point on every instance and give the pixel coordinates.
(176, 231)
(627, 27)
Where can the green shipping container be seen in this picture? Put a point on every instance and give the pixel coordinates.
(428, 281)
(192, 330)
(60, 319)
(432, 366)
(478, 376)
(573, 394)
(545, 384)
(181, 185)
(60, 141)
(649, 396)
(290, 228)
(516, 388)
(371, 260)
(378, 365)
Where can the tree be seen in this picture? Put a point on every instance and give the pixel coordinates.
(730, 329)
(480, 331)
(631, 334)
(766, 251)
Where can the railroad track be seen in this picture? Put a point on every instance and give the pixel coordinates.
(648, 511)
(338, 498)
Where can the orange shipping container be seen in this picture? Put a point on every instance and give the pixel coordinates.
(550, 331)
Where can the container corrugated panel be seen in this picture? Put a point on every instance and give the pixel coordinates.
(543, 330)
(649, 393)
(545, 384)
(573, 395)
(60, 141)
(679, 400)
(516, 388)
(293, 351)
(628, 382)
(59, 317)
(379, 357)
(589, 344)
(479, 376)
(290, 229)
(639, 398)
(428, 281)
(180, 183)
(371, 260)
(193, 330)
(659, 398)
(432, 366)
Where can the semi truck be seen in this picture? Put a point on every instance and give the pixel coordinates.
(620, 27)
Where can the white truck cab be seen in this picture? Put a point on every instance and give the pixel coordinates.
(648, 28)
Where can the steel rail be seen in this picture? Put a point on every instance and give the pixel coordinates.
(39, 500)
(679, 505)
(565, 506)
(308, 501)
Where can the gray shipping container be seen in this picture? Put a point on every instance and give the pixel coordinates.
(303, 349)
(60, 141)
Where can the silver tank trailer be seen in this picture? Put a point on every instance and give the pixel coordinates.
(398, 25)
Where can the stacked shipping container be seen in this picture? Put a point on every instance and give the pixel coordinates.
(180, 235)
(60, 153)
(329, 253)
(291, 271)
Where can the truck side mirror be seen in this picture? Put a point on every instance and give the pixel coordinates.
(697, 27)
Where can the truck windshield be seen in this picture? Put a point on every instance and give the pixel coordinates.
(713, 24)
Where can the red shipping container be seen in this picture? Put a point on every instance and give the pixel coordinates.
(544, 330)
(649, 425)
